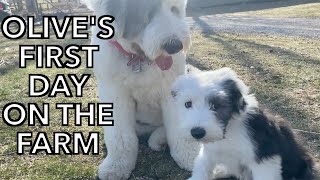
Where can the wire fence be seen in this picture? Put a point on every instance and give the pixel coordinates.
(39, 7)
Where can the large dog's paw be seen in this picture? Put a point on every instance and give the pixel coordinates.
(114, 170)
(158, 139)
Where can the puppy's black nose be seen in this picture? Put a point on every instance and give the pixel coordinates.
(198, 132)
(173, 46)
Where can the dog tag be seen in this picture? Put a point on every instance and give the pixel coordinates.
(136, 66)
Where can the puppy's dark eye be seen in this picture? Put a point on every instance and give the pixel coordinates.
(188, 104)
(212, 108)
(173, 93)
(175, 10)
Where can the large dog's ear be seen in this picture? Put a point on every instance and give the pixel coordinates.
(132, 16)
(91, 4)
(115, 8)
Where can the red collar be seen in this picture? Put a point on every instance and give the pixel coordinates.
(133, 58)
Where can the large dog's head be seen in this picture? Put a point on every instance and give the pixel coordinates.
(206, 102)
(152, 28)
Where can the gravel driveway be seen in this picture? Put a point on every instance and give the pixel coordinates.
(302, 27)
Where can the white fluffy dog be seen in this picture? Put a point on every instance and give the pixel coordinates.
(135, 71)
(238, 139)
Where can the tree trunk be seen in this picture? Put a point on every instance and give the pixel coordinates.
(32, 6)
(20, 5)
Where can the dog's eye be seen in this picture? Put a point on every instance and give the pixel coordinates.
(173, 93)
(188, 104)
(212, 108)
(175, 10)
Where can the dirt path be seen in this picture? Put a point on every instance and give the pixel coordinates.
(302, 27)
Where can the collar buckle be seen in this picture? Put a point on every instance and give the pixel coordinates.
(134, 59)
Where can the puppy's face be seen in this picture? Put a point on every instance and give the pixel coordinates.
(155, 29)
(205, 105)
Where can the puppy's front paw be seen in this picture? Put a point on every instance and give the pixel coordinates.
(184, 154)
(157, 140)
(114, 170)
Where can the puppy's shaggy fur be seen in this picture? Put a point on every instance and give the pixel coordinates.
(154, 30)
(238, 139)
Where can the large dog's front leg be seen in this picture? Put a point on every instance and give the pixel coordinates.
(121, 140)
(183, 152)
(158, 140)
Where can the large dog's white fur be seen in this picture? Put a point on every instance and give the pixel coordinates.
(140, 99)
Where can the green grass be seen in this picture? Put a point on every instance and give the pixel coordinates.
(311, 10)
(283, 72)
(14, 88)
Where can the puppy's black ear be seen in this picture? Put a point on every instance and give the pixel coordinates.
(235, 96)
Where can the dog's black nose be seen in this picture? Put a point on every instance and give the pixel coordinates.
(173, 46)
(198, 132)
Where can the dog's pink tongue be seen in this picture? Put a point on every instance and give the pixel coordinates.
(164, 62)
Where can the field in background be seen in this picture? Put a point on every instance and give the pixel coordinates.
(311, 10)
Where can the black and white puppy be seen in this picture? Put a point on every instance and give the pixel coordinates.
(238, 139)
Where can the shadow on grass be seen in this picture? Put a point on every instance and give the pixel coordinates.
(220, 7)
(272, 97)
(9, 67)
(196, 63)
(298, 58)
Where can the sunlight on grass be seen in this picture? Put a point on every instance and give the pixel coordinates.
(283, 72)
(310, 10)
(14, 88)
